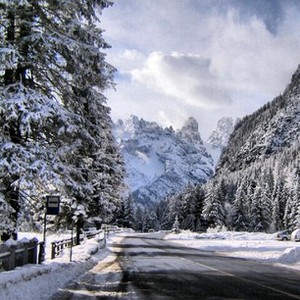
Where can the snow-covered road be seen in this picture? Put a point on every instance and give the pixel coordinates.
(41, 282)
(145, 266)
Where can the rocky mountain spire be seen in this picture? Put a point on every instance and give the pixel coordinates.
(190, 131)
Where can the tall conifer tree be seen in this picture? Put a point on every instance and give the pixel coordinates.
(55, 129)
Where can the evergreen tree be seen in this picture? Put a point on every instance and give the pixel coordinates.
(199, 202)
(213, 210)
(128, 213)
(279, 202)
(260, 211)
(30, 113)
(174, 208)
(239, 218)
(147, 220)
(176, 225)
(189, 222)
(297, 219)
(295, 204)
(188, 208)
(161, 212)
(95, 167)
(55, 127)
(288, 217)
(139, 214)
(256, 214)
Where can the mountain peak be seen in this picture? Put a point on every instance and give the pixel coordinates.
(191, 124)
(293, 87)
(190, 131)
(220, 136)
(160, 161)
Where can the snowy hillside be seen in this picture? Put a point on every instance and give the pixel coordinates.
(270, 130)
(160, 161)
(258, 172)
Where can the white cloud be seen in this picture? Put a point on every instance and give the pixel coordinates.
(248, 58)
(199, 58)
(125, 60)
(186, 77)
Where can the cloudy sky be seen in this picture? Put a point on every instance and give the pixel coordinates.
(200, 58)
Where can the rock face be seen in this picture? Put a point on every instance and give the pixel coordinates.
(160, 161)
(218, 139)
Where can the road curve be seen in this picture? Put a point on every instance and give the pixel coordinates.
(144, 266)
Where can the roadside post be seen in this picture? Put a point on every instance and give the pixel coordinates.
(52, 208)
(72, 238)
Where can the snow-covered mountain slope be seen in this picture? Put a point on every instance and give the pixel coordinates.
(271, 130)
(160, 161)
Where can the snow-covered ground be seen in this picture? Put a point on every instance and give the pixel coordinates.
(261, 247)
(42, 281)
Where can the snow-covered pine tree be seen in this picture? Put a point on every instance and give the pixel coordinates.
(200, 197)
(174, 208)
(239, 218)
(279, 202)
(55, 126)
(256, 211)
(30, 111)
(95, 168)
(295, 217)
(188, 208)
(138, 217)
(260, 210)
(146, 221)
(126, 216)
(161, 212)
(292, 195)
(213, 209)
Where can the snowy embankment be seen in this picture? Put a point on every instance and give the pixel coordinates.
(42, 281)
(261, 247)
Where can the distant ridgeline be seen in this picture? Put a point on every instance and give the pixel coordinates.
(258, 174)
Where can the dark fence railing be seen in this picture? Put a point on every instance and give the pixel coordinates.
(57, 247)
(18, 253)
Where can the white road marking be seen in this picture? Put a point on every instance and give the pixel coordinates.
(243, 279)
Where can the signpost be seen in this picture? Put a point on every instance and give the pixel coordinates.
(52, 205)
(52, 208)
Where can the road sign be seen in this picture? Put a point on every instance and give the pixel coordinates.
(52, 205)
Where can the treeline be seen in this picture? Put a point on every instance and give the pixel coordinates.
(55, 128)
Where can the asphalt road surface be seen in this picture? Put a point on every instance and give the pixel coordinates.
(143, 266)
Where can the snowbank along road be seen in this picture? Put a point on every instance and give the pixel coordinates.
(143, 266)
